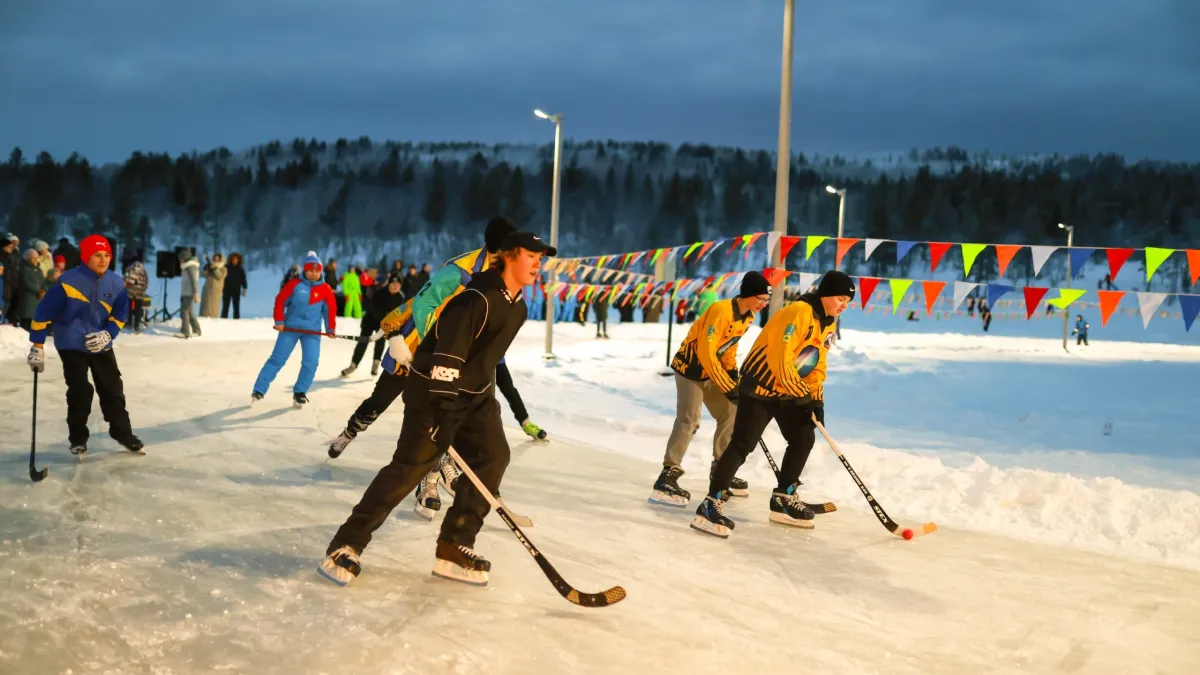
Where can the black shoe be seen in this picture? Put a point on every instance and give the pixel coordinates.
(131, 443)
(298, 400)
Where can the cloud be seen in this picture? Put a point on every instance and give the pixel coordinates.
(1009, 76)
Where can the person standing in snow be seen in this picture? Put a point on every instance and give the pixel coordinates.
(450, 401)
(214, 287)
(89, 307)
(137, 282)
(1081, 330)
(352, 288)
(782, 378)
(304, 304)
(706, 374)
(189, 294)
(235, 287)
(380, 304)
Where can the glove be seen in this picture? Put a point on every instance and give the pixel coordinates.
(732, 394)
(818, 410)
(376, 336)
(36, 359)
(97, 342)
(399, 350)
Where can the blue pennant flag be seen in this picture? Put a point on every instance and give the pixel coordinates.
(1079, 258)
(995, 292)
(902, 249)
(1190, 304)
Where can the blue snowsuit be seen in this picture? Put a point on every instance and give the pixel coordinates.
(304, 305)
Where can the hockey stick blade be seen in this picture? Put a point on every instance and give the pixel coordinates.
(826, 507)
(610, 597)
(891, 525)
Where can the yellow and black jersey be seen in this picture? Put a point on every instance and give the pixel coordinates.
(709, 351)
(787, 361)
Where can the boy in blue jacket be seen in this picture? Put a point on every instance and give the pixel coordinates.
(303, 303)
(89, 308)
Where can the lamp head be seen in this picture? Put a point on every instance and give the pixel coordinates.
(831, 190)
(541, 114)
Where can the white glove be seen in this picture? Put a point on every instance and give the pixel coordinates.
(399, 350)
(97, 342)
(36, 359)
(377, 336)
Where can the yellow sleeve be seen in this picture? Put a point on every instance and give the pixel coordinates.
(790, 343)
(714, 322)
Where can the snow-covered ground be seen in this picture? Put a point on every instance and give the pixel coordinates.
(1059, 549)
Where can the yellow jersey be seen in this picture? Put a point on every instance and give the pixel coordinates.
(787, 361)
(709, 351)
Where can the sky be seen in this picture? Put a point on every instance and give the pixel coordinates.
(105, 78)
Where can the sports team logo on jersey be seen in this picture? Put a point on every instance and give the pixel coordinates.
(808, 335)
(807, 360)
(829, 340)
(443, 374)
(725, 347)
(788, 332)
(712, 330)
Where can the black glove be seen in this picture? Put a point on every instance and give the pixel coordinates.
(732, 394)
(818, 410)
(448, 415)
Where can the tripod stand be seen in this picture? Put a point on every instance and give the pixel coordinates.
(162, 313)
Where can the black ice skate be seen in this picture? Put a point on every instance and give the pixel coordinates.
(737, 487)
(710, 516)
(255, 397)
(787, 509)
(298, 400)
(132, 444)
(338, 445)
(667, 491)
(79, 451)
(341, 567)
(460, 563)
(349, 369)
(428, 501)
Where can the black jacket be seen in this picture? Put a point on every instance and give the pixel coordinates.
(382, 303)
(235, 280)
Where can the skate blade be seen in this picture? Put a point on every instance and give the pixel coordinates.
(738, 492)
(450, 571)
(335, 574)
(702, 524)
(785, 519)
(445, 486)
(425, 513)
(677, 501)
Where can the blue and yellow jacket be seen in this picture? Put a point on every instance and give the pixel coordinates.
(79, 304)
(414, 318)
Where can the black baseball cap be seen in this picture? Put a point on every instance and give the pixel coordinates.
(528, 241)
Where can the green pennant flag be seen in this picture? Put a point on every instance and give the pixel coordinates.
(811, 243)
(691, 248)
(657, 254)
(899, 288)
(600, 262)
(1066, 296)
(1154, 258)
(970, 252)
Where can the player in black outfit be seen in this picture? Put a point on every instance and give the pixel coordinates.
(379, 305)
(451, 400)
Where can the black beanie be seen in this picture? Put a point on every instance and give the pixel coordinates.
(497, 229)
(836, 283)
(754, 284)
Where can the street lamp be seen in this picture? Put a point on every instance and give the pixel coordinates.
(783, 153)
(841, 193)
(557, 119)
(1067, 310)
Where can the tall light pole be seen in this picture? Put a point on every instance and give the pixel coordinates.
(783, 153)
(841, 193)
(557, 119)
(1067, 310)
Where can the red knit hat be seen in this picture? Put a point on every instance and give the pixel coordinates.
(92, 245)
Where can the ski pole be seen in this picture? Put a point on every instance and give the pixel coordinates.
(35, 475)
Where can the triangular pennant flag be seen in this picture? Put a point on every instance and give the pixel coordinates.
(902, 249)
(1190, 304)
(1040, 255)
(774, 275)
(812, 244)
(786, 244)
(1117, 258)
(704, 249)
(1148, 303)
(1033, 295)
(866, 286)
(871, 245)
(1079, 258)
(807, 279)
(772, 243)
(995, 292)
(843, 245)
(1154, 258)
(969, 253)
(691, 248)
(1005, 253)
(1066, 296)
(937, 249)
(961, 290)
(1108, 302)
(657, 254)
(899, 288)
(750, 239)
(1193, 258)
(932, 290)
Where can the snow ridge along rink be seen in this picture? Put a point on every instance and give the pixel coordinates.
(1060, 549)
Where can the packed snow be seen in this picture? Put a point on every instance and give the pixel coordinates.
(1065, 486)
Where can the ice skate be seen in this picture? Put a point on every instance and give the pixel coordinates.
(79, 451)
(375, 367)
(428, 501)
(132, 444)
(737, 486)
(341, 567)
(460, 563)
(667, 491)
(534, 431)
(338, 445)
(448, 475)
(710, 517)
(350, 369)
(255, 397)
(298, 400)
(787, 509)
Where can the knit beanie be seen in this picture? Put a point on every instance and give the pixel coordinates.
(91, 245)
(312, 262)
(754, 284)
(497, 229)
(836, 283)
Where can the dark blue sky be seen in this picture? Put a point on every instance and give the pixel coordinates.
(106, 77)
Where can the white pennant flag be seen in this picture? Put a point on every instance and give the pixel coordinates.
(871, 245)
(1149, 302)
(1040, 255)
(807, 279)
(772, 244)
(961, 290)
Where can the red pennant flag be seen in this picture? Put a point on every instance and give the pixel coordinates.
(932, 290)
(843, 244)
(774, 275)
(937, 249)
(1108, 302)
(1005, 253)
(866, 286)
(786, 244)
(1117, 258)
(1194, 264)
(1033, 296)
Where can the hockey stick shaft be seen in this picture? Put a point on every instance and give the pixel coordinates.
(355, 338)
(609, 597)
(891, 525)
(34, 474)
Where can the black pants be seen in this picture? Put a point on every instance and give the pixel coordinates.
(479, 441)
(387, 388)
(1082, 339)
(137, 312)
(753, 415)
(504, 383)
(236, 300)
(107, 377)
(368, 327)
